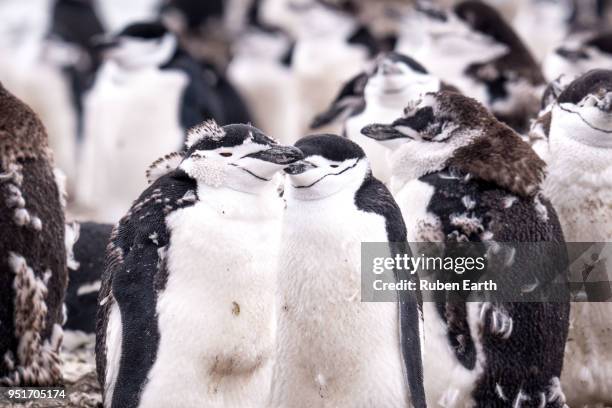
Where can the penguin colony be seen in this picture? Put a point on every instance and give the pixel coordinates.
(186, 186)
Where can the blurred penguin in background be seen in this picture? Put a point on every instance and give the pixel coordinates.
(147, 93)
(472, 47)
(205, 31)
(542, 24)
(118, 14)
(323, 57)
(378, 95)
(47, 63)
(269, 48)
(579, 55)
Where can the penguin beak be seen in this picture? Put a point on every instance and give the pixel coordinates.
(278, 154)
(388, 68)
(299, 167)
(382, 133)
(102, 43)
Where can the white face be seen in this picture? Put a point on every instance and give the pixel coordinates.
(244, 167)
(395, 77)
(588, 122)
(317, 177)
(131, 52)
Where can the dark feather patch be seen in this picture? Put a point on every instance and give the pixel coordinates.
(374, 197)
(498, 155)
(134, 275)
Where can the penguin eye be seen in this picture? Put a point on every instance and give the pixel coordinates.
(226, 154)
(333, 166)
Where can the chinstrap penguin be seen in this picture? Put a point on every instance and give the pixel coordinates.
(473, 48)
(378, 95)
(147, 94)
(459, 175)
(33, 271)
(186, 315)
(329, 342)
(578, 149)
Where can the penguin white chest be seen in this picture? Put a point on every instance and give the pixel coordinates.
(216, 312)
(333, 350)
(132, 121)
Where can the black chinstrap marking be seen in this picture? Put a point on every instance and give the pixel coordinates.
(586, 121)
(330, 174)
(249, 172)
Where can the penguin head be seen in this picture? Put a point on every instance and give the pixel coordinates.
(240, 157)
(394, 73)
(139, 45)
(450, 130)
(575, 57)
(583, 111)
(331, 164)
(437, 119)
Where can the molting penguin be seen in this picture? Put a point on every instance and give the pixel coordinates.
(578, 182)
(186, 313)
(147, 93)
(474, 49)
(379, 95)
(329, 342)
(32, 256)
(460, 175)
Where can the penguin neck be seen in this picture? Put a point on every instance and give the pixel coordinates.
(416, 159)
(242, 185)
(143, 56)
(231, 201)
(577, 155)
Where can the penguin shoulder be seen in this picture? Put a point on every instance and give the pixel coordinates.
(374, 197)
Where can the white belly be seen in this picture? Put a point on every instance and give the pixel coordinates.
(216, 314)
(333, 350)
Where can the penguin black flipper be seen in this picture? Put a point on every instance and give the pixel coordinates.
(350, 101)
(135, 273)
(373, 196)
